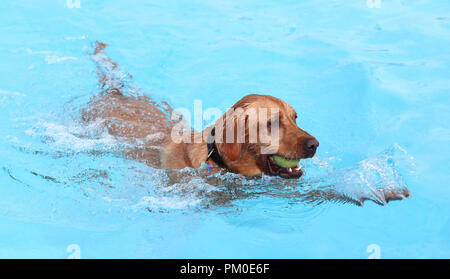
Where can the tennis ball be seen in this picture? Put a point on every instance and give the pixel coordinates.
(285, 163)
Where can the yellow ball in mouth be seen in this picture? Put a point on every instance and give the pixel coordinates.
(285, 163)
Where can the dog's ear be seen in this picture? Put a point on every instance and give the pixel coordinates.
(230, 145)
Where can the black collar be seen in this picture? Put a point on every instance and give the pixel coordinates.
(213, 152)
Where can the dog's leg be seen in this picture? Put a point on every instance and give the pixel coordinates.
(319, 191)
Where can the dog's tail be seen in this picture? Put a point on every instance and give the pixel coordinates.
(110, 78)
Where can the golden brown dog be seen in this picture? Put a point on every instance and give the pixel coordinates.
(139, 119)
(148, 129)
(246, 157)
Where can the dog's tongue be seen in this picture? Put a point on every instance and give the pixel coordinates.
(285, 163)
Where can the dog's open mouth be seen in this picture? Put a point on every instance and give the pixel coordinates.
(283, 167)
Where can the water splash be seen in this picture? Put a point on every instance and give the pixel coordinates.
(376, 178)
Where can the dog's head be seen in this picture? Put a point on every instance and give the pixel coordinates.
(259, 134)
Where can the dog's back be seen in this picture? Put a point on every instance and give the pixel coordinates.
(137, 119)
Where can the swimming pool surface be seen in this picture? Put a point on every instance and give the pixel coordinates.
(370, 81)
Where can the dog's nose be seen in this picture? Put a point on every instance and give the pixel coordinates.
(311, 145)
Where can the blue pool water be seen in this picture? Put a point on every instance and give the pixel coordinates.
(372, 84)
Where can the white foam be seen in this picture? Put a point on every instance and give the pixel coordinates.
(34, 52)
(11, 93)
(374, 178)
(165, 203)
(57, 59)
(68, 38)
(76, 137)
(194, 185)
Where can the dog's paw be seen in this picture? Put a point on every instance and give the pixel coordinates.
(384, 196)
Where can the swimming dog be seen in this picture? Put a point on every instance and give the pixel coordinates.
(149, 128)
